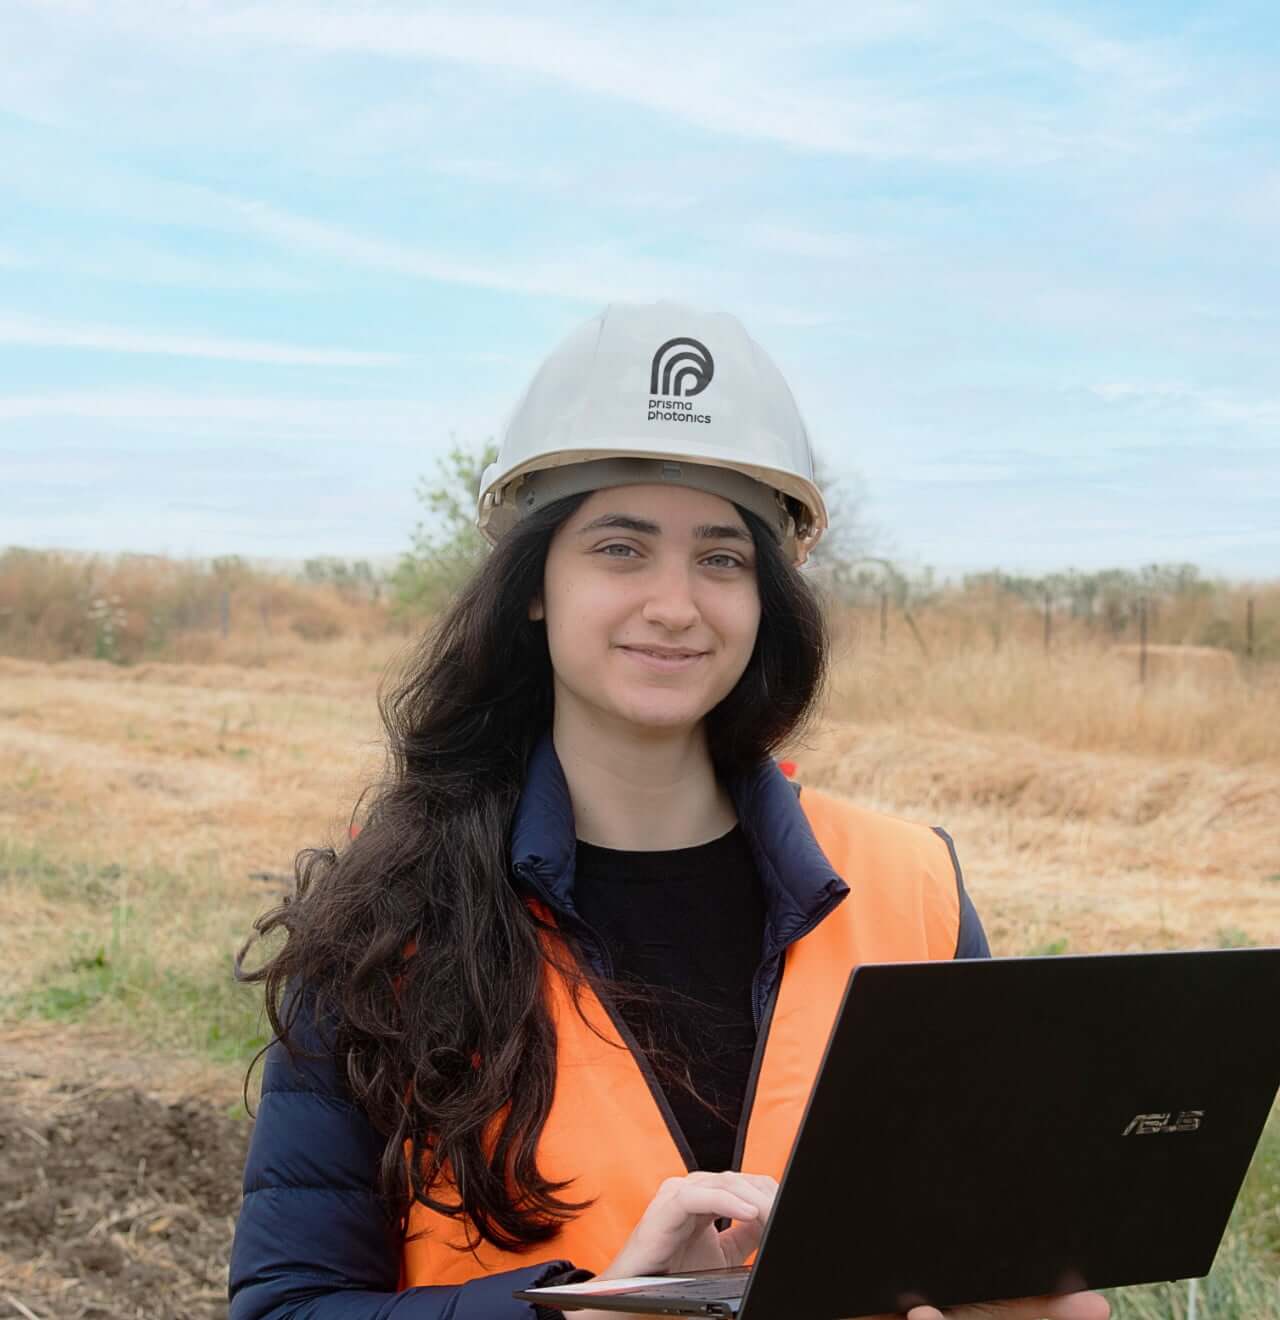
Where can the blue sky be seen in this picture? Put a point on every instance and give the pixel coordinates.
(1020, 263)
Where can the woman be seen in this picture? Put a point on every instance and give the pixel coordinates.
(557, 1008)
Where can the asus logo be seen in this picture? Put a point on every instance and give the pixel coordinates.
(1143, 1125)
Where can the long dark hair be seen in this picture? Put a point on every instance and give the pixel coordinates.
(455, 1052)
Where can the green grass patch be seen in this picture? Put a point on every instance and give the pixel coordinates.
(146, 950)
(1259, 1205)
(1239, 1287)
(197, 1007)
(1049, 948)
(1244, 1283)
(60, 881)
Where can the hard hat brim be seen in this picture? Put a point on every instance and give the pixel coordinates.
(507, 496)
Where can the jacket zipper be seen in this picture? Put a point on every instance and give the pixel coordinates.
(605, 961)
(757, 1003)
(764, 1020)
(761, 1012)
(753, 1077)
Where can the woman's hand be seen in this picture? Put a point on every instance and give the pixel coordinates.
(678, 1231)
(1063, 1306)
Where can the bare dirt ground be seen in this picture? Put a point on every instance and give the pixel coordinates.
(120, 1152)
(118, 1180)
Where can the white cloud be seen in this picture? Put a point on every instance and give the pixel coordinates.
(1215, 405)
(1132, 65)
(29, 333)
(794, 241)
(500, 172)
(594, 273)
(957, 472)
(301, 232)
(742, 91)
(144, 263)
(599, 273)
(161, 406)
(726, 71)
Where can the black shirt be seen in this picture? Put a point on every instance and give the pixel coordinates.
(689, 924)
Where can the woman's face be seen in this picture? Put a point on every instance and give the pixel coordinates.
(651, 605)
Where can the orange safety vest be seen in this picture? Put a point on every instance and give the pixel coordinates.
(605, 1129)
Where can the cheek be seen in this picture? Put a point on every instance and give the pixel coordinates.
(739, 624)
(581, 614)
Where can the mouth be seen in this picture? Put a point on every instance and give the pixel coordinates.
(666, 652)
(664, 660)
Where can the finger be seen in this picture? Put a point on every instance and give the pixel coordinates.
(762, 1180)
(768, 1188)
(727, 1175)
(756, 1190)
(731, 1178)
(1078, 1306)
(750, 1190)
(736, 1204)
(738, 1242)
(1062, 1306)
(718, 1202)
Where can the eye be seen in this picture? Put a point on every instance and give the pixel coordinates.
(615, 545)
(727, 561)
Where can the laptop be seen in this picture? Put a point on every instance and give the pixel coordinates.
(1005, 1127)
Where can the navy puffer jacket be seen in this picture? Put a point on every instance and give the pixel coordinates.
(313, 1241)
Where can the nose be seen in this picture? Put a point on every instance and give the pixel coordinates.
(671, 602)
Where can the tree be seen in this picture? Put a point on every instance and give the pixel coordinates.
(849, 539)
(352, 580)
(446, 548)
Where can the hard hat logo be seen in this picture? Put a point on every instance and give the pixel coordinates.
(682, 367)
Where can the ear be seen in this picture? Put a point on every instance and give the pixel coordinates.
(535, 608)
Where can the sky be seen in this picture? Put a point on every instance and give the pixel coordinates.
(261, 264)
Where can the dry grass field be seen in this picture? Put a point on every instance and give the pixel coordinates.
(148, 812)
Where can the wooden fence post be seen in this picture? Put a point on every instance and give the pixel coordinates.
(915, 632)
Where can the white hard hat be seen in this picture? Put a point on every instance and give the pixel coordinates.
(658, 392)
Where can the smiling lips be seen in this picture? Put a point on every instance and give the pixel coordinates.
(665, 658)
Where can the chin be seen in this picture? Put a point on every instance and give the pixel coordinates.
(661, 717)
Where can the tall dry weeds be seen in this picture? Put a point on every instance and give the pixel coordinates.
(1080, 696)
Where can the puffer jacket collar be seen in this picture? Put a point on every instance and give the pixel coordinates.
(800, 885)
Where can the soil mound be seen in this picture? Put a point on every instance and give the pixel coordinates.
(115, 1204)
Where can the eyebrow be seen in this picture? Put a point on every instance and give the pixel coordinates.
(647, 527)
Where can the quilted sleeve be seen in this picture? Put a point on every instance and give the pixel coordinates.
(971, 939)
(312, 1240)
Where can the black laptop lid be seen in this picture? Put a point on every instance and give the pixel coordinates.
(1046, 1124)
